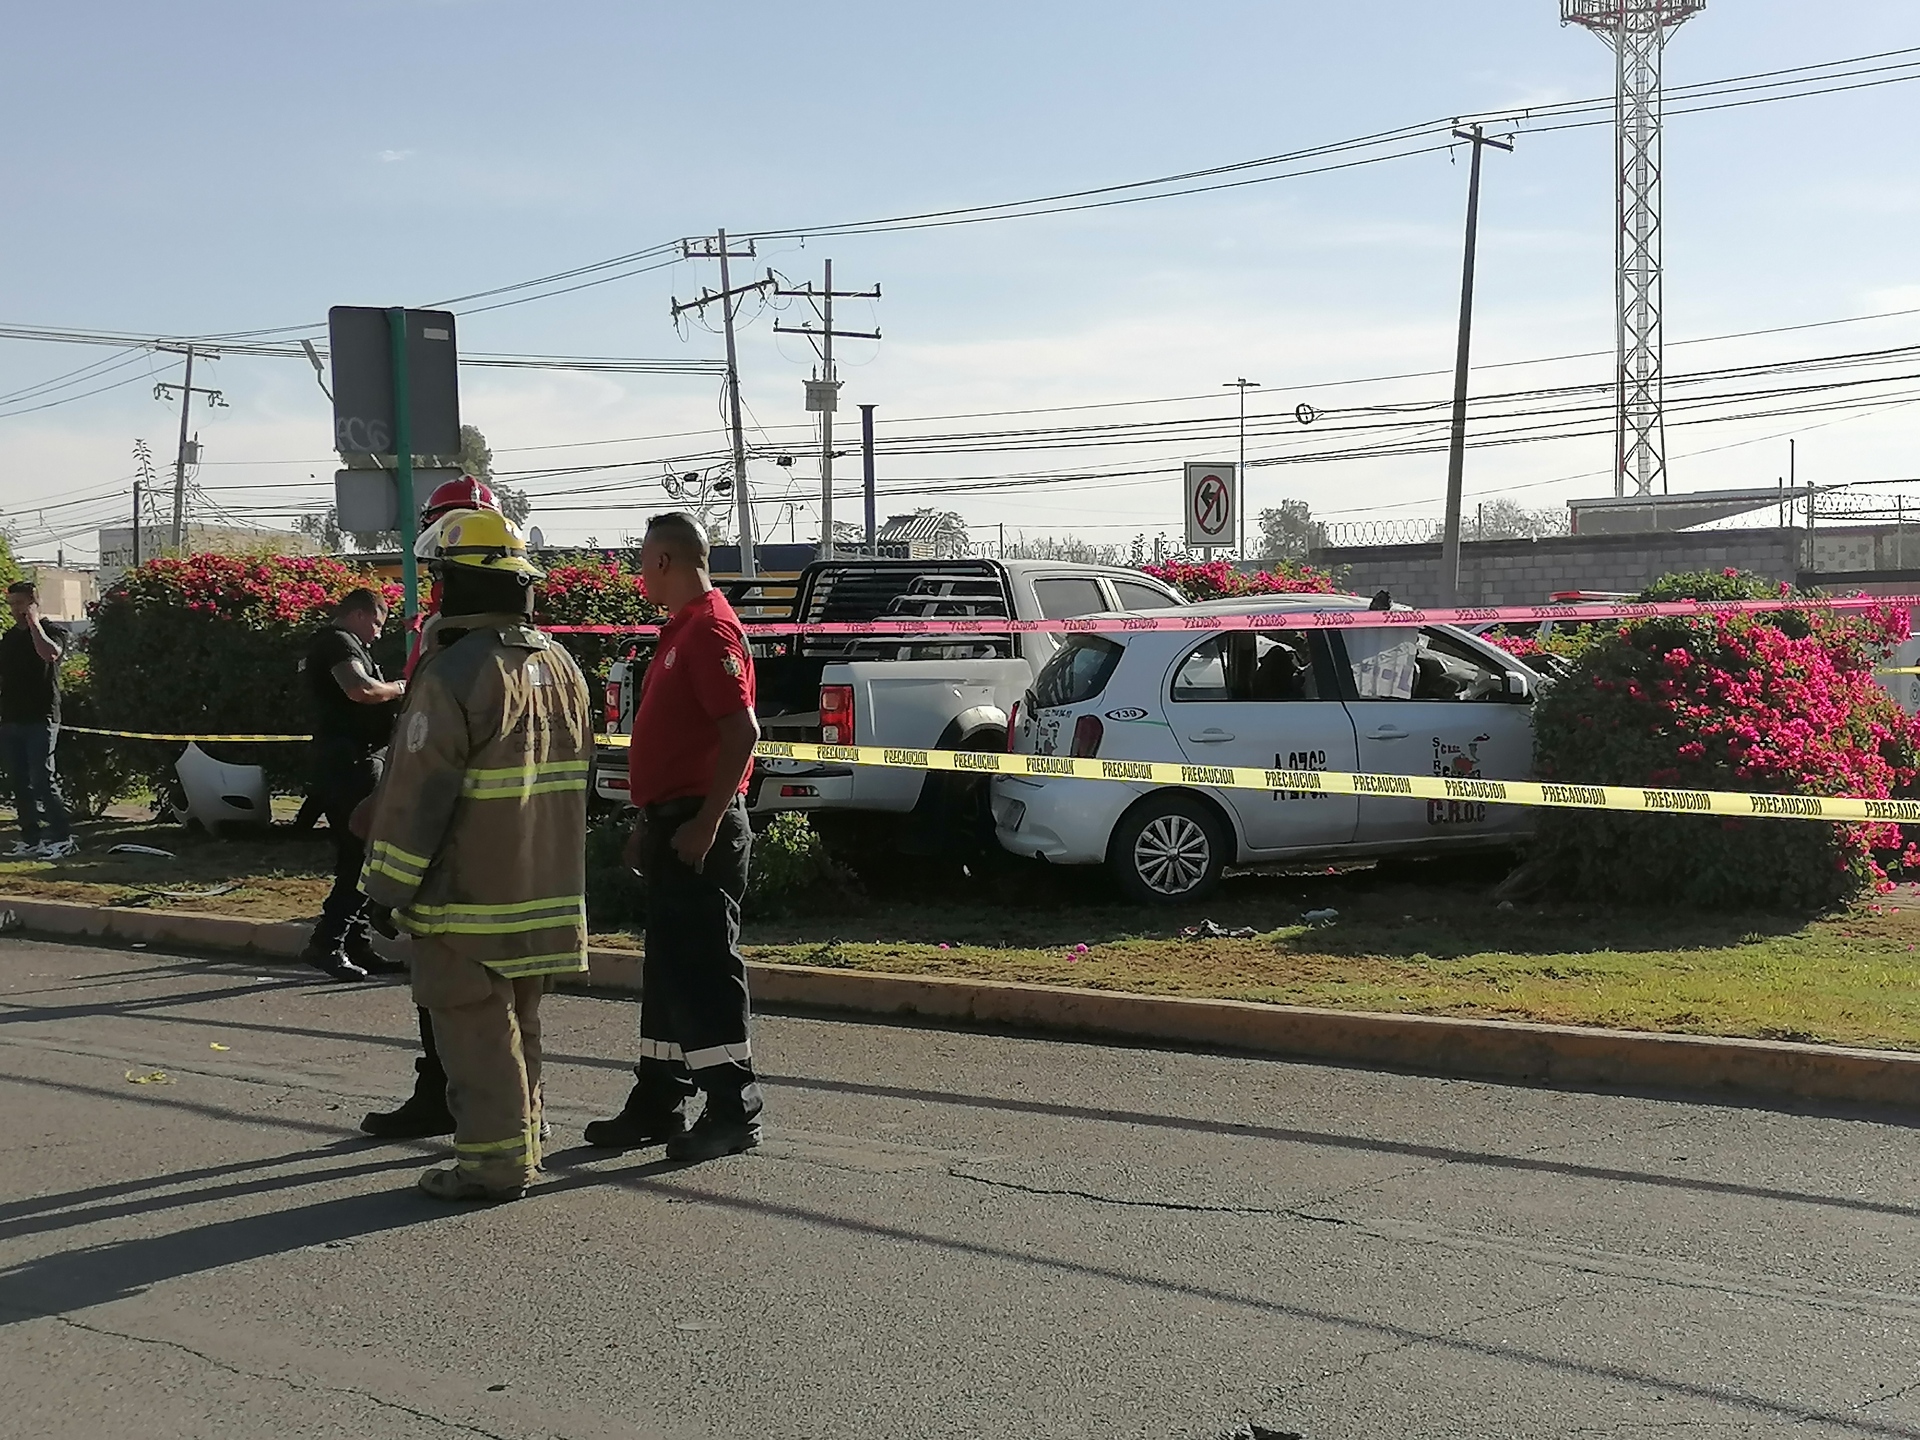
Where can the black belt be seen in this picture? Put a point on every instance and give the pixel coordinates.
(680, 806)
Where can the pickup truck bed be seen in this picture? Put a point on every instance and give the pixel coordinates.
(925, 692)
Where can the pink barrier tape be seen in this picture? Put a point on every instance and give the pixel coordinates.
(1284, 619)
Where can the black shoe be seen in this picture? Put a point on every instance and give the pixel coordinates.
(712, 1136)
(424, 1113)
(331, 962)
(635, 1127)
(360, 951)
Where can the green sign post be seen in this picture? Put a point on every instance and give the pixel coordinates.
(409, 516)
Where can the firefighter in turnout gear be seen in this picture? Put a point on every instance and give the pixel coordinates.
(477, 846)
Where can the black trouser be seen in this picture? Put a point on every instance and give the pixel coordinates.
(694, 1011)
(433, 1075)
(343, 776)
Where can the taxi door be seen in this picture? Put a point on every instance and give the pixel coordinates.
(1431, 702)
(1267, 699)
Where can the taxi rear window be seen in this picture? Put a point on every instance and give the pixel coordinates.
(1079, 670)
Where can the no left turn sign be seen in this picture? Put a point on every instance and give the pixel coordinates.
(1212, 503)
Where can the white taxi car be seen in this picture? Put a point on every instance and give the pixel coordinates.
(1400, 699)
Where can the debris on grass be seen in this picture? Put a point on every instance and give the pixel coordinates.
(1213, 930)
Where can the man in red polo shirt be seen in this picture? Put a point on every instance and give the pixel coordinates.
(692, 750)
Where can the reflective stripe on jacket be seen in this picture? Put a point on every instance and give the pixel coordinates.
(479, 827)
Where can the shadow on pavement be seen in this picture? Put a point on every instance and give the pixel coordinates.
(1335, 1141)
(643, 1180)
(98, 1275)
(66, 1220)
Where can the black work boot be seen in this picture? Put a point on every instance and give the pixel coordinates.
(360, 951)
(640, 1123)
(424, 1113)
(720, 1130)
(331, 961)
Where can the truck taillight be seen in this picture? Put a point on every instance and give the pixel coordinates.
(836, 715)
(614, 702)
(1087, 734)
(1013, 725)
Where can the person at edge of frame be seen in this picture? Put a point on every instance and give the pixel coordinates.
(477, 847)
(424, 1113)
(30, 656)
(688, 766)
(353, 710)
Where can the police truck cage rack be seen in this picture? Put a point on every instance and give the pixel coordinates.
(877, 590)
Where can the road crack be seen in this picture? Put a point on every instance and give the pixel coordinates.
(298, 1386)
(1195, 1207)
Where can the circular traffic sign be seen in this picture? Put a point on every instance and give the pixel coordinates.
(1212, 505)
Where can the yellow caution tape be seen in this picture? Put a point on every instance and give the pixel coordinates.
(1900, 670)
(1322, 782)
(1338, 782)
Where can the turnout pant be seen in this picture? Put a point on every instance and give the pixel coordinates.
(342, 778)
(28, 751)
(694, 1009)
(486, 1029)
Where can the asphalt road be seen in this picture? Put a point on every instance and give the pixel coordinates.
(946, 1234)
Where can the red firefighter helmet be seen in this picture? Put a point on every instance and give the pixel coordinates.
(466, 493)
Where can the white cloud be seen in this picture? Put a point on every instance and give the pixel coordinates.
(389, 157)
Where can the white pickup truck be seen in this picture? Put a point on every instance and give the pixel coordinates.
(950, 692)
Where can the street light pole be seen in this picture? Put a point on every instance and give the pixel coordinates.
(1240, 470)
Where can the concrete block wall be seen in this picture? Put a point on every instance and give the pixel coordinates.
(1526, 572)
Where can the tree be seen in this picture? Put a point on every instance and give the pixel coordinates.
(476, 456)
(475, 459)
(1510, 520)
(1067, 547)
(1286, 533)
(324, 528)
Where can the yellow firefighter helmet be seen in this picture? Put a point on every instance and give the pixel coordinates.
(484, 540)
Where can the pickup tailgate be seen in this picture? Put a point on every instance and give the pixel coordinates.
(902, 704)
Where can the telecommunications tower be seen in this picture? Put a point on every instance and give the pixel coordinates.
(1637, 31)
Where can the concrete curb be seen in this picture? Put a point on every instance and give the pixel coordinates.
(1476, 1049)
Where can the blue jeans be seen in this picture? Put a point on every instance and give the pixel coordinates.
(27, 750)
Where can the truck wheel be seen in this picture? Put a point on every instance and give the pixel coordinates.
(1168, 849)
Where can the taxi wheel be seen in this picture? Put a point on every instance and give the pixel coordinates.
(1167, 850)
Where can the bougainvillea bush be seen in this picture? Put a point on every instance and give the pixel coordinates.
(1218, 580)
(1780, 702)
(213, 644)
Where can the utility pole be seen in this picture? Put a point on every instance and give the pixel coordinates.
(1240, 471)
(823, 392)
(1457, 447)
(716, 249)
(866, 467)
(187, 389)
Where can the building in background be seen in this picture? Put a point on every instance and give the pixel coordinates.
(116, 545)
(64, 594)
(922, 535)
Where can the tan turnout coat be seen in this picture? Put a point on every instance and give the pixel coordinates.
(478, 836)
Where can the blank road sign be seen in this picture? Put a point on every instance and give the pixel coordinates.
(368, 501)
(362, 355)
(1212, 493)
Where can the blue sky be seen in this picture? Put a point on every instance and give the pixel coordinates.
(215, 167)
